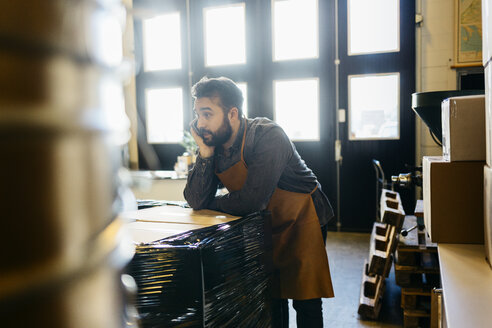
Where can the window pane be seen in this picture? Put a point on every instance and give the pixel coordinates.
(164, 115)
(295, 29)
(244, 88)
(225, 35)
(112, 101)
(373, 26)
(297, 108)
(106, 37)
(162, 42)
(374, 106)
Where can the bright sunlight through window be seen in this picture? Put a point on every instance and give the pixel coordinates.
(162, 42)
(374, 111)
(295, 29)
(373, 26)
(107, 36)
(297, 108)
(244, 89)
(164, 115)
(112, 100)
(225, 35)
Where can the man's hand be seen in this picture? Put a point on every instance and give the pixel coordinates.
(205, 151)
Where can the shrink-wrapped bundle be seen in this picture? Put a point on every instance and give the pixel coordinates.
(216, 276)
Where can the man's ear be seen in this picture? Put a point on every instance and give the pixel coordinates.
(233, 113)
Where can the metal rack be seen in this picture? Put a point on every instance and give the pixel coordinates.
(381, 184)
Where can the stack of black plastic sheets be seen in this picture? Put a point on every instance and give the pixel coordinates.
(216, 276)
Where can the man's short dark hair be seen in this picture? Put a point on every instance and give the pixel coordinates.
(223, 88)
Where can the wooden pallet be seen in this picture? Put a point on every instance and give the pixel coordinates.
(391, 208)
(381, 249)
(416, 305)
(382, 245)
(416, 260)
(416, 272)
(371, 294)
(412, 298)
(414, 318)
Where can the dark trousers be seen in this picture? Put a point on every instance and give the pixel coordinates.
(309, 313)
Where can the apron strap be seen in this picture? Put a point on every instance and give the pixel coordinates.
(244, 140)
(312, 192)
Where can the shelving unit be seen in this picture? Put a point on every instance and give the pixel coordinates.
(467, 286)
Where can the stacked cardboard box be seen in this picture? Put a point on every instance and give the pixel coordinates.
(453, 183)
(487, 58)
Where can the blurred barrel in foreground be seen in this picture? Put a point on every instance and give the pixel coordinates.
(62, 122)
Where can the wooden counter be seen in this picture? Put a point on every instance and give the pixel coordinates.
(466, 279)
(163, 221)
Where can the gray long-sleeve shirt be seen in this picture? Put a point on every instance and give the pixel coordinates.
(272, 161)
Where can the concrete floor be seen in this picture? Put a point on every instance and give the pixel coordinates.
(346, 254)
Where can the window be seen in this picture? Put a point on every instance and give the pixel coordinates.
(295, 29)
(106, 36)
(162, 42)
(112, 100)
(374, 106)
(244, 89)
(164, 115)
(373, 26)
(225, 35)
(183, 41)
(297, 108)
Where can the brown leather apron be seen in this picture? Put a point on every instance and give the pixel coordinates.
(300, 262)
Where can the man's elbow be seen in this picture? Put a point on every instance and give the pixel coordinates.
(197, 206)
(252, 203)
(195, 203)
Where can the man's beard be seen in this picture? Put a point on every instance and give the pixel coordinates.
(220, 137)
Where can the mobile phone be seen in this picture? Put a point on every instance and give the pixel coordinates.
(194, 125)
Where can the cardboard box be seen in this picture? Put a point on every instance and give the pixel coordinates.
(453, 200)
(488, 114)
(463, 128)
(487, 193)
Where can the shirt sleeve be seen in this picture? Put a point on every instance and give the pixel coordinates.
(201, 185)
(271, 154)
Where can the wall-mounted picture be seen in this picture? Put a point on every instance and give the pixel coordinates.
(468, 32)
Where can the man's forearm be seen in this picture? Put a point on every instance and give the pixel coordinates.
(202, 184)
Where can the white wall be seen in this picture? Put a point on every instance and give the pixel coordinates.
(435, 53)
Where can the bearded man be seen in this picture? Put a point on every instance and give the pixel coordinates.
(261, 169)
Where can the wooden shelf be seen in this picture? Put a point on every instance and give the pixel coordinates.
(479, 64)
(467, 285)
